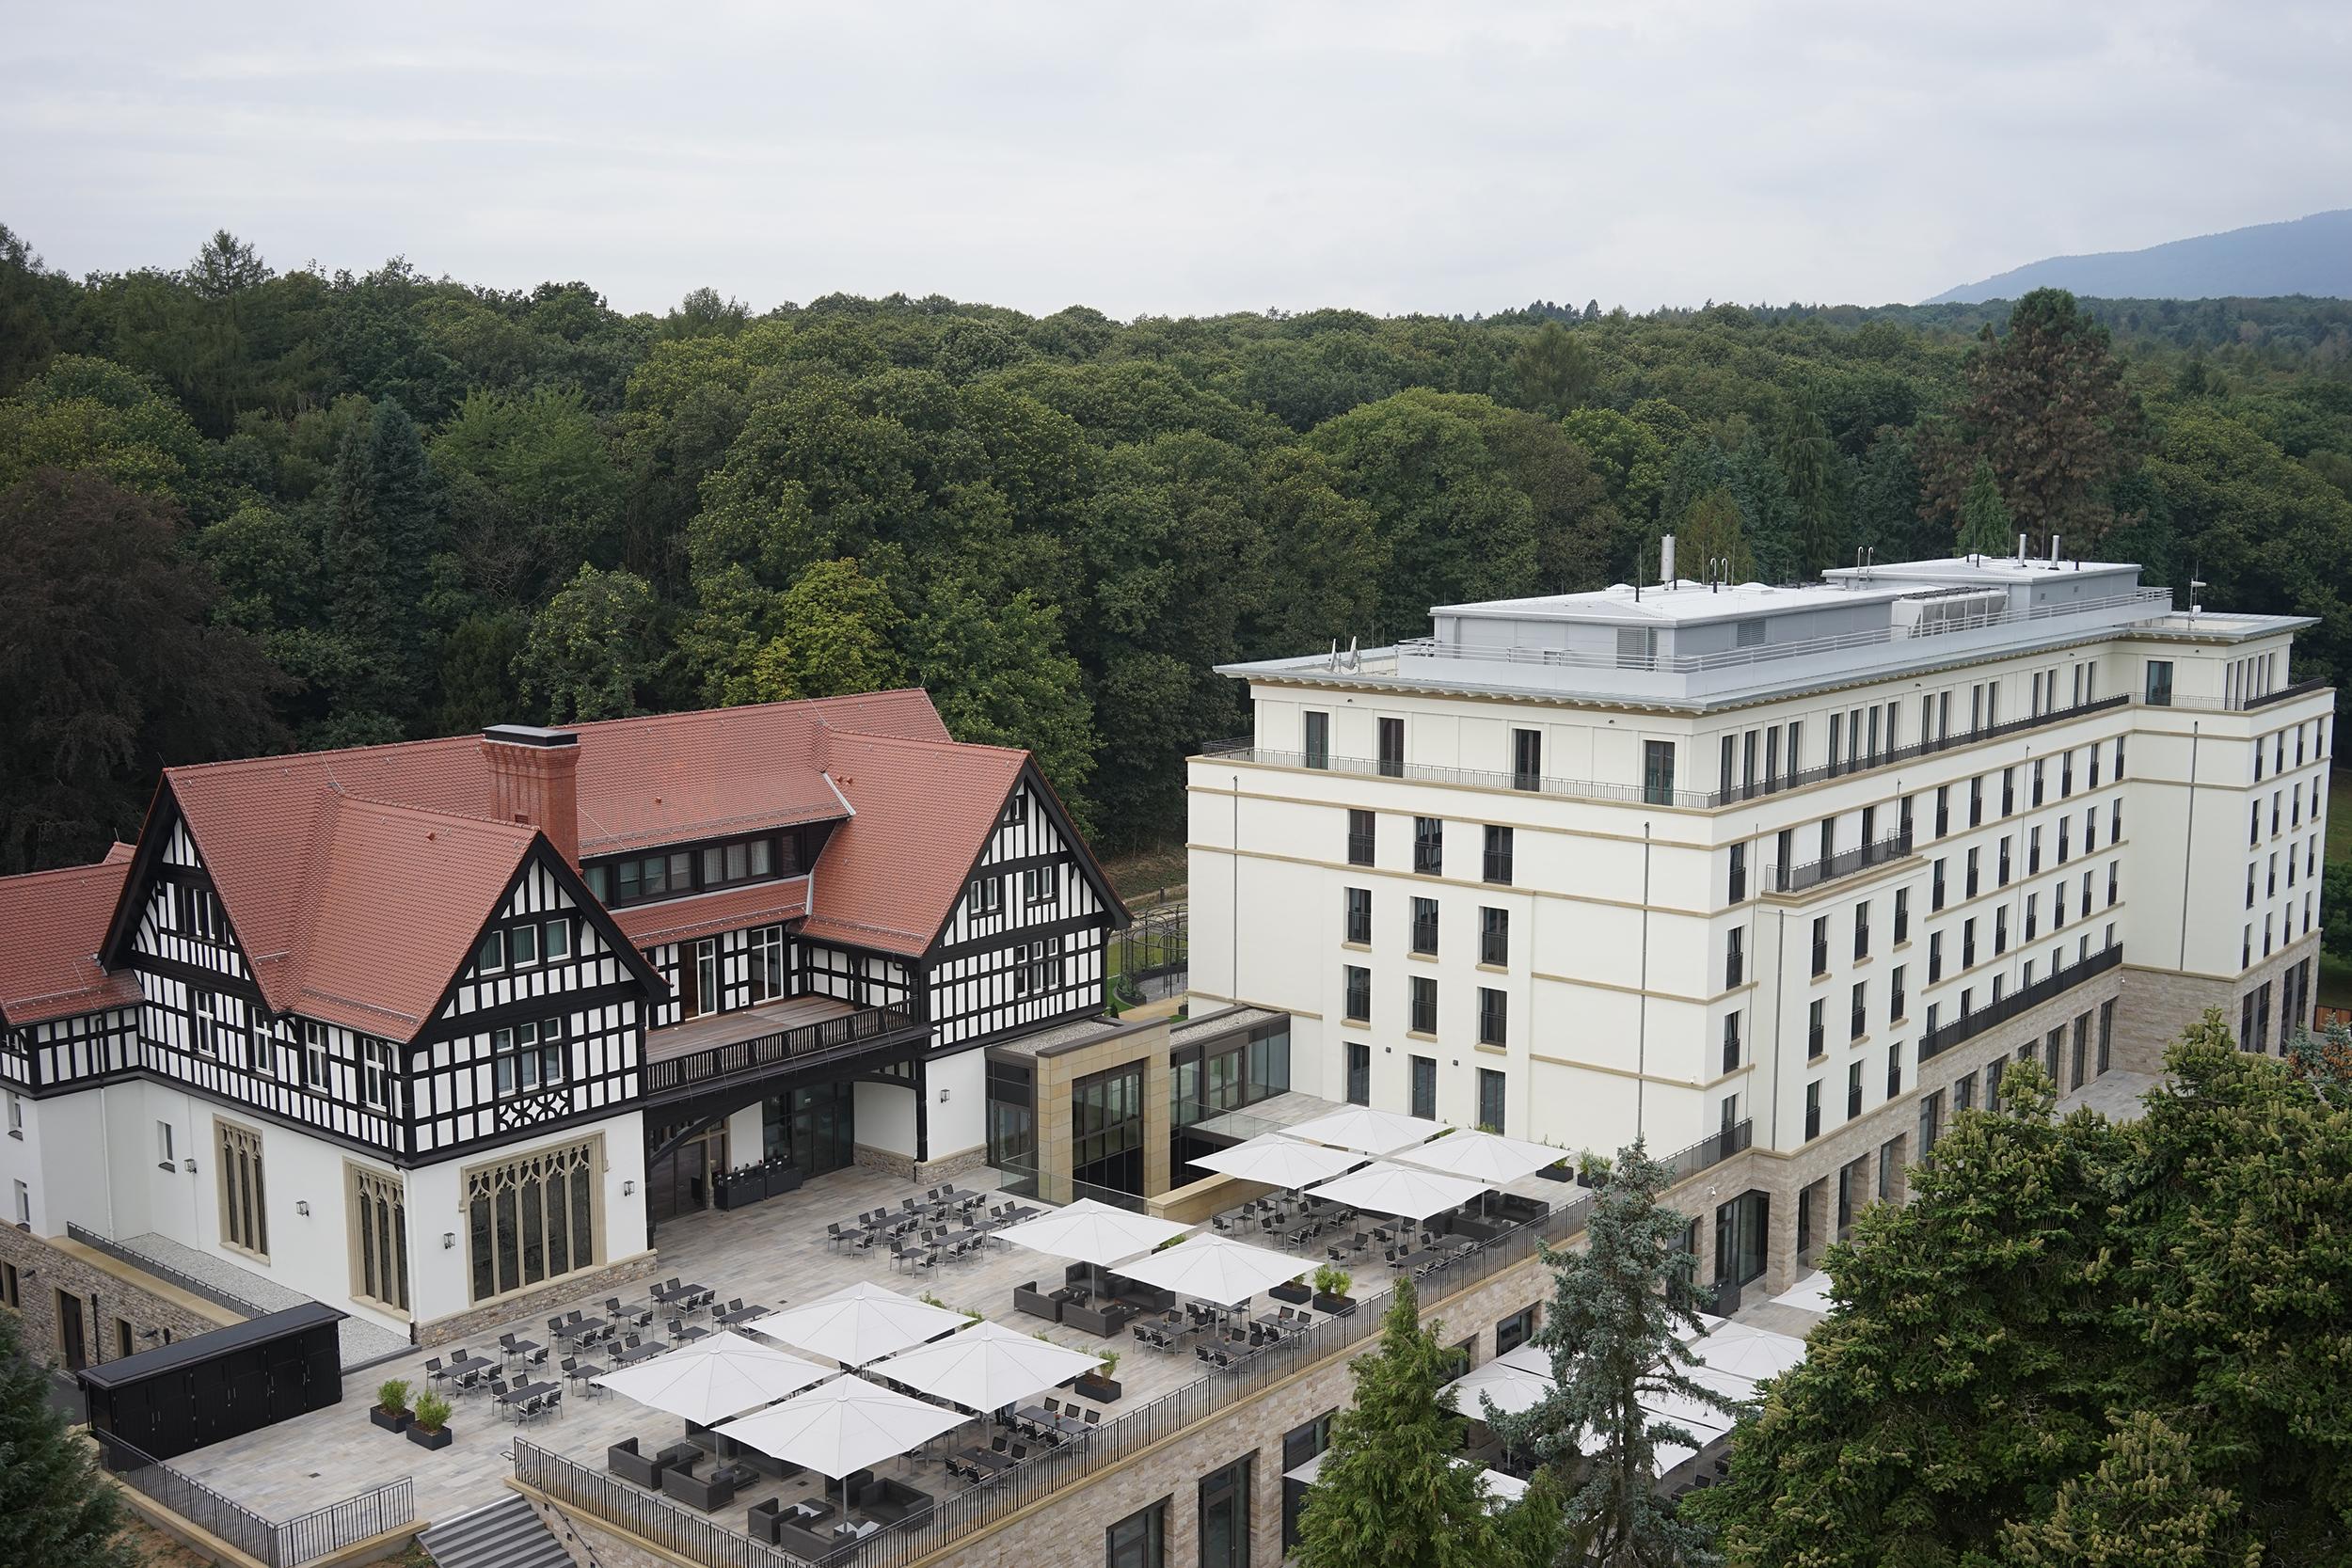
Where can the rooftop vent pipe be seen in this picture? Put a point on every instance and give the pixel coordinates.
(1666, 559)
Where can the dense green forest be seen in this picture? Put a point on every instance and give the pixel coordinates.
(244, 508)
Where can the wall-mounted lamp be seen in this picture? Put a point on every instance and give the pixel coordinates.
(627, 1188)
(449, 1239)
(943, 1097)
(302, 1206)
(188, 1164)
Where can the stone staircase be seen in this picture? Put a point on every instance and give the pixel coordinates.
(505, 1534)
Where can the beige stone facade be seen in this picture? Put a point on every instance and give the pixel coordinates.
(529, 1304)
(2159, 1003)
(107, 1293)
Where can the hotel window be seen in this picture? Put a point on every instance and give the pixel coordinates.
(1318, 740)
(1047, 971)
(1225, 1515)
(555, 942)
(1359, 1073)
(315, 1055)
(1424, 926)
(1731, 1041)
(2159, 683)
(244, 1220)
(527, 1058)
(1496, 862)
(985, 898)
(1490, 1099)
(1423, 1018)
(1429, 845)
(1527, 759)
(1494, 937)
(1041, 884)
(1657, 772)
(1356, 994)
(1858, 1022)
(24, 1205)
(376, 1073)
(492, 958)
(1853, 1090)
(1393, 748)
(1493, 1017)
(379, 1239)
(531, 1218)
(1357, 909)
(1735, 957)
(16, 1117)
(1016, 811)
(204, 1023)
(523, 946)
(1360, 837)
(767, 953)
(1897, 1002)
(1139, 1540)
(1861, 930)
(1425, 1087)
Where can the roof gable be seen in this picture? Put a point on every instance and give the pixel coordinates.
(52, 925)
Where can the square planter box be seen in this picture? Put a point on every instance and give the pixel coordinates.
(1102, 1390)
(1294, 1293)
(424, 1439)
(390, 1423)
(1335, 1305)
(1558, 1173)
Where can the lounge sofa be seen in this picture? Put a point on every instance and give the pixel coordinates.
(1101, 1317)
(890, 1501)
(623, 1461)
(694, 1492)
(1028, 1298)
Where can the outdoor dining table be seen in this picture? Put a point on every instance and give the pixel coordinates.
(585, 1328)
(469, 1365)
(742, 1314)
(1040, 1416)
(641, 1352)
(524, 1393)
(665, 1295)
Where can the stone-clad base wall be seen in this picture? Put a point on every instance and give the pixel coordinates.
(2159, 1004)
(44, 1268)
(536, 1303)
(949, 1165)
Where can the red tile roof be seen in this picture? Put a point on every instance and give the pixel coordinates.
(52, 925)
(356, 880)
(890, 876)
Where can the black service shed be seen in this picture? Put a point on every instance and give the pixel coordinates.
(191, 1392)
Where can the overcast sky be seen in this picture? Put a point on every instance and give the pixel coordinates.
(1173, 158)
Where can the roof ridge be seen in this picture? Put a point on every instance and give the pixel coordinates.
(950, 742)
(81, 870)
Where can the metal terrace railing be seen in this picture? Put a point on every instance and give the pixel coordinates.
(2025, 999)
(1846, 862)
(147, 1264)
(1917, 748)
(1582, 789)
(693, 1536)
(280, 1544)
(803, 1044)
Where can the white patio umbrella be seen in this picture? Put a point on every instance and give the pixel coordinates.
(1280, 1161)
(1404, 1191)
(1360, 1127)
(858, 1324)
(1809, 1294)
(1501, 1487)
(1092, 1232)
(1528, 1358)
(711, 1379)
(1513, 1388)
(986, 1366)
(1708, 1324)
(1481, 1156)
(841, 1427)
(1755, 1353)
(1216, 1269)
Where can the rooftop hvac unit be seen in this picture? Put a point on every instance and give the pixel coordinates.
(1948, 613)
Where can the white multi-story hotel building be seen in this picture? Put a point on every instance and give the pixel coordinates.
(1810, 865)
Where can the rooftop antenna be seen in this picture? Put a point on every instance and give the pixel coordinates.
(1355, 659)
(2196, 585)
(1335, 654)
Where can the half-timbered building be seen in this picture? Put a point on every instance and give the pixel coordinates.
(425, 1029)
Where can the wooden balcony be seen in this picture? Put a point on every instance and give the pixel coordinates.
(800, 1034)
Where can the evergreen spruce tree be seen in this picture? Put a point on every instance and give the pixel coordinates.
(1621, 1312)
(1394, 1492)
(1984, 520)
(55, 1510)
(379, 534)
(1810, 470)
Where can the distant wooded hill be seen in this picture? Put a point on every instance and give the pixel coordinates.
(2308, 256)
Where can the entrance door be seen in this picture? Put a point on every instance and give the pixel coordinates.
(69, 1331)
(679, 1182)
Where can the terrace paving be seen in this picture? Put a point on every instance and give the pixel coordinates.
(772, 1253)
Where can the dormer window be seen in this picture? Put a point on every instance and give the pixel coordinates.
(676, 873)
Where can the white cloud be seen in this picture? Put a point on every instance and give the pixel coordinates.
(1173, 159)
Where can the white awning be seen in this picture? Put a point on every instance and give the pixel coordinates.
(986, 1366)
(1400, 1190)
(1280, 1161)
(1513, 1388)
(1753, 1353)
(1214, 1269)
(1482, 1156)
(713, 1378)
(843, 1426)
(1359, 1126)
(1092, 1232)
(1809, 1294)
(858, 1324)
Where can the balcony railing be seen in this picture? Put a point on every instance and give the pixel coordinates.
(699, 1539)
(1583, 789)
(1846, 862)
(1936, 1041)
(1895, 755)
(279, 1543)
(802, 1045)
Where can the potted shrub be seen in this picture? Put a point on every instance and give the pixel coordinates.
(1099, 1386)
(1294, 1291)
(391, 1406)
(431, 1430)
(1592, 1170)
(1331, 1290)
(1560, 1169)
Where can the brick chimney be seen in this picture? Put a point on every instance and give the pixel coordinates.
(534, 778)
